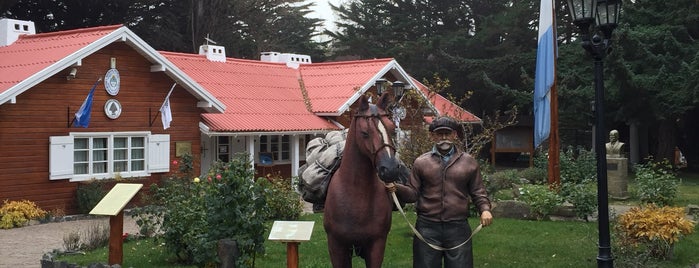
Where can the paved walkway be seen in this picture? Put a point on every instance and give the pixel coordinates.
(24, 247)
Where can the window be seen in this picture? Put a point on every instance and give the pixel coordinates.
(279, 146)
(83, 156)
(223, 148)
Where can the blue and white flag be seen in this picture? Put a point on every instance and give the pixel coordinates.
(82, 116)
(165, 112)
(545, 72)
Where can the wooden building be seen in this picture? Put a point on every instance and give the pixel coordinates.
(268, 109)
(44, 80)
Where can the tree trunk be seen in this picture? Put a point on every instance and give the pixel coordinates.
(666, 140)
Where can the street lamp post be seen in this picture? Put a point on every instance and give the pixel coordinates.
(606, 13)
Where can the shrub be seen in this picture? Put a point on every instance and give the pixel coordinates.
(96, 236)
(18, 213)
(89, 194)
(283, 202)
(195, 214)
(656, 182)
(235, 208)
(578, 169)
(652, 230)
(541, 200)
(71, 241)
(534, 175)
(577, 165)
(500, 180)
(582, 196)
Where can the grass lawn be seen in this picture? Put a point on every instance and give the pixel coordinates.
(137, 253)
(689, 189)
(506, 243)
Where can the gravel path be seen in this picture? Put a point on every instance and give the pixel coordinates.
(24, 247)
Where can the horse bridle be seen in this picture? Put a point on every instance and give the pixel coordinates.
(375, 114)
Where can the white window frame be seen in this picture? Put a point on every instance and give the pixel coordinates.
(267, 146)
(156, 153)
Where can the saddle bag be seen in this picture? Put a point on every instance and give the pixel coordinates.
(323, 156)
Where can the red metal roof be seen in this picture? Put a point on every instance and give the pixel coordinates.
(31, 54)
(330, 85)
(259, 96)
(36, 57)
(446, 107)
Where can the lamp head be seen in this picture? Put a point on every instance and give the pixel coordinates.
(398, 89)
(380, 86)
(72, 74)
(608, 12)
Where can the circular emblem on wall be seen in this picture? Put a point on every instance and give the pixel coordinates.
(112, 108)
(112, 82)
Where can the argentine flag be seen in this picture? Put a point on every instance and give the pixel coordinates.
(545, 72)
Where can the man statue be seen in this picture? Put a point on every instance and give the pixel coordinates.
(614, 146)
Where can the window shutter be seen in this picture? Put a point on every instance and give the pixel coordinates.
(158, 153)
(60, 157)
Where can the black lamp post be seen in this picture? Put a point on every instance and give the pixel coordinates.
(583, 13)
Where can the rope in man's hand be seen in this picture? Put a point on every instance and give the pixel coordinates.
(391, 188)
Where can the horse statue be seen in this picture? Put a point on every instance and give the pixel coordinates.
(357, 215)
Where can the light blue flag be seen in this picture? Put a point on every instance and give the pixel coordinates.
(82, 116)
(543, 81)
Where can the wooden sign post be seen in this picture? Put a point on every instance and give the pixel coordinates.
(291, 233)
(113, 205)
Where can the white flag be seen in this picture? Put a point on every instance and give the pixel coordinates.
(165, 112)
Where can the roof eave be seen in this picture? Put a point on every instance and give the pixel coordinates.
(390, 66)
(122, 34)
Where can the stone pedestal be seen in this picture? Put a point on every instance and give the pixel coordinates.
(618, 177)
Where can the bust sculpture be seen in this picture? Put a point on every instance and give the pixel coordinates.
(614, 146)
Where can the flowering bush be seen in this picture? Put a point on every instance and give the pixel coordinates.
(194, 214)
(284, 203)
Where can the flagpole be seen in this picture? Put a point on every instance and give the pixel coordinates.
(161, 105)
(554, 167)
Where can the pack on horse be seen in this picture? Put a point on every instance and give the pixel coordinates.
(357, 214)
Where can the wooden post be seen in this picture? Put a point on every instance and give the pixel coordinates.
(292, 233)
(116, 241)
(292, 254)
(112, 204)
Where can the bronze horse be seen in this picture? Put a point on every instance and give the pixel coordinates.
(357, 215)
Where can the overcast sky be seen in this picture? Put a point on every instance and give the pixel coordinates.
(322, 11)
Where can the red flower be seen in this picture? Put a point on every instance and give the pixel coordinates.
(174, 162)
(209, 178)
(218, 176)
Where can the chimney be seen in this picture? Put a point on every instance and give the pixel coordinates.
(11, 29)
(291, 60)
(213, 53)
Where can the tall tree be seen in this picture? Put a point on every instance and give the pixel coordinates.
(482, 47)
(244, 27)
(655, 70)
